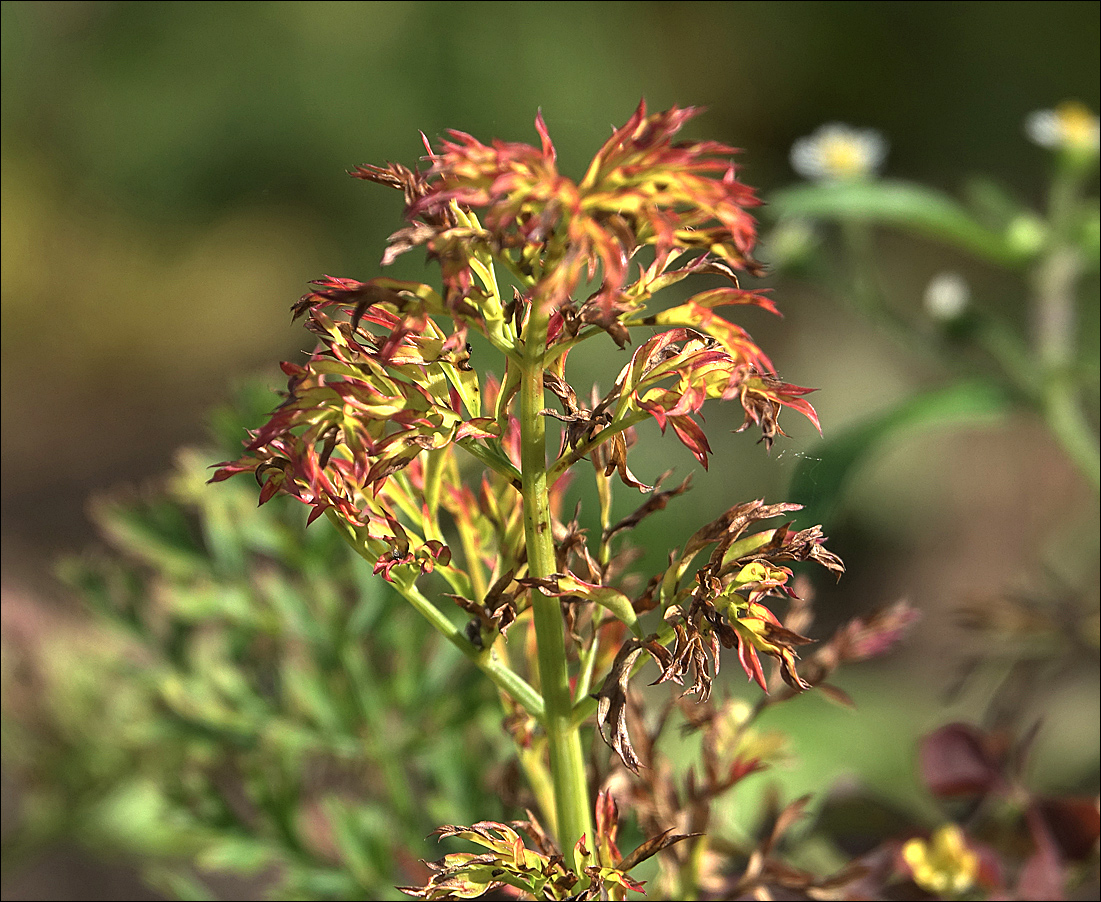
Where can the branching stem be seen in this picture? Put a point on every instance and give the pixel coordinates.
(404, 581)
(568, 772)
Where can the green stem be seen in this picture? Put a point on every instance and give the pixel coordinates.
(486, 660)
(539, 780)
(1054, 306)
(865, 289)
(568, 460)
(494, 459)
(571, 791)
(1055, 328)
(588, 661)
(502, 676)
(689, 874)
(1068, 423)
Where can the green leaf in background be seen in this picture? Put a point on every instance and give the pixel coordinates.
(178, 884)
(243, 668)
(991, 203)
(915, 208)
(156, 533)
(238, 854)
(819, 483)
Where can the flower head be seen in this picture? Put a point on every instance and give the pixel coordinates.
(839, 153)
(642, 189)
(536, 867)
(946, 865)
(1071, 126)
(373, 420)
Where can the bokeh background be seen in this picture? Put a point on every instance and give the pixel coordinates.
(174, 173)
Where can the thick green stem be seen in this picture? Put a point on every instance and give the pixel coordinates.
(571, 791)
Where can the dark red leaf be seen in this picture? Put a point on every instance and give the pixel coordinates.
(1074, 824)
(959, 760)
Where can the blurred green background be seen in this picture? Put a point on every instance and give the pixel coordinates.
(174, 174)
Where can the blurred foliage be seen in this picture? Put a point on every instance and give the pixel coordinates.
(173, 174)
(1043, 359)
(1029, 633)
(243, 702)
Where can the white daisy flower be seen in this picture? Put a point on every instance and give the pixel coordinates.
(838, 152)
(1070, 126)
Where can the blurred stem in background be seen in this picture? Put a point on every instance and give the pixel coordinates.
(1044, 364)
(1056, 278)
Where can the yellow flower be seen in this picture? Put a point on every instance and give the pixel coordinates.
(1070, 126)
(945, 866)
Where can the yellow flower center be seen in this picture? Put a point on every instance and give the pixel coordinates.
(844, 157)
(1077, 125)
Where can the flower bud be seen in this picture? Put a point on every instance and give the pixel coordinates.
(947, 296)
